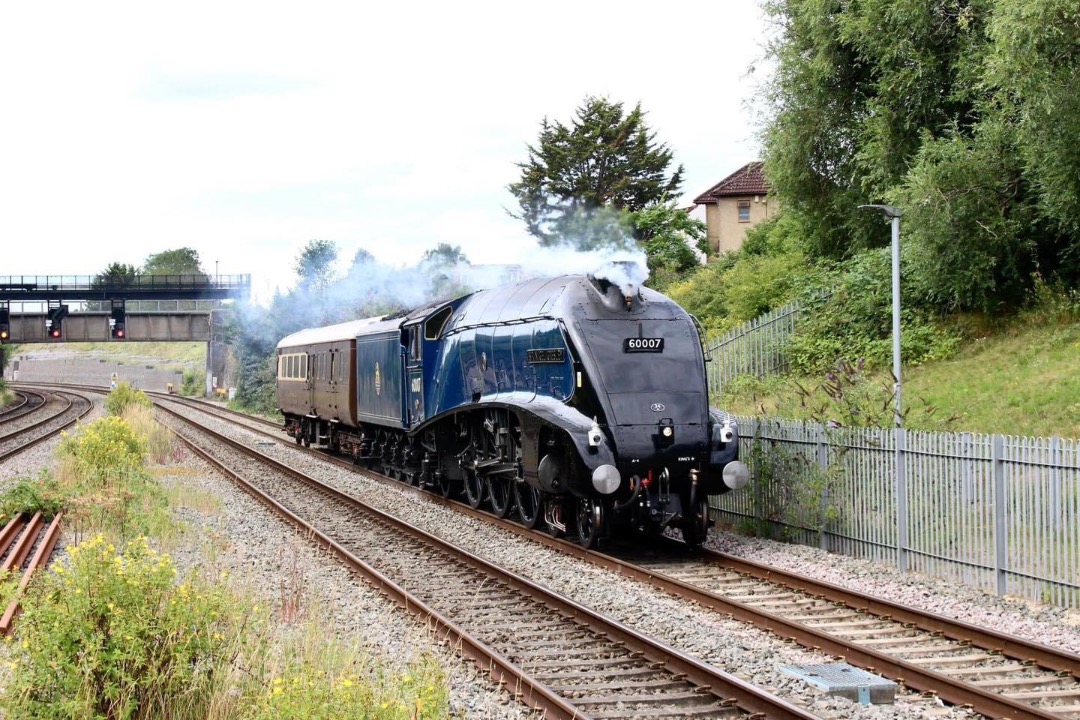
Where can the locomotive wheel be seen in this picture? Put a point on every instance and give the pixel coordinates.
(474, 489)
(530, 505)
(695, 530)
(590, 521)
(500, 495)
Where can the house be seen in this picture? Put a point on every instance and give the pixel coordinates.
(734, 205)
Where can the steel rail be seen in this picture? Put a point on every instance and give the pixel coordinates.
(51, 433)
(16, 407)
(40, 560)
(722, 685)
(908, 673)
(212, 408)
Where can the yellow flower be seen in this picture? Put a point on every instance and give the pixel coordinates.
(59, 569)
(278, 681)
(26, 644)
(407, 679)
(278, 691)
(346, 683)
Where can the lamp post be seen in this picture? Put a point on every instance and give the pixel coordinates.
(894, 213)
(899, 435)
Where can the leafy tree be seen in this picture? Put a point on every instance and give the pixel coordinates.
(182, 261)
(962, 112)
(1033, 64)
(315, 264)
(116, 273)
(668, 234)
(857, 88)
(606, 158)
(445, 254)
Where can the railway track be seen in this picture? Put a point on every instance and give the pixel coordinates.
(995, 674)
(29, 400)
(18, 539)
(551, 652)
(24, 432)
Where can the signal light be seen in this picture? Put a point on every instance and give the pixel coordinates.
(56, 314)
(5, 327)
(119, 330)
(4, 333)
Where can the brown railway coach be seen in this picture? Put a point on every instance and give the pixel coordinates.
(314, 375)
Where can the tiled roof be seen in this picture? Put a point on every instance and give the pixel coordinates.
(747, 180)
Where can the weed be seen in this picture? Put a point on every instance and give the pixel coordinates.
(124, 396)
(110, 634)
(42, 495)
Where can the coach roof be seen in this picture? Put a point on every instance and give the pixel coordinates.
(330, 333)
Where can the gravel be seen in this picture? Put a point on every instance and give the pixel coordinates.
(749, 653)
(256, 545)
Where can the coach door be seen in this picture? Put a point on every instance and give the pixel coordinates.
(414, 374)
(309, 382)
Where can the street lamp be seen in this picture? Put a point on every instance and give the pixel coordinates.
(894, 213)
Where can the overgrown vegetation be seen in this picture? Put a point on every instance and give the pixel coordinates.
(975, 147)
(115, 630)
(194, 383)
(1014, 376)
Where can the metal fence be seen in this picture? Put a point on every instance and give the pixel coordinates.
(999, 512)
(755, 347)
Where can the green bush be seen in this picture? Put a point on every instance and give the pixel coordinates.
(856, 322)
(43, 495)
(194, 383)
(123, 396)
(110, 635)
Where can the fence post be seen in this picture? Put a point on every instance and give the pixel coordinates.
(997, 459)
(823, 468)
(1055, 484)
(900, 441)
(756, 454)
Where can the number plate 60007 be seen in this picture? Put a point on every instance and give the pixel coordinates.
(643, 345)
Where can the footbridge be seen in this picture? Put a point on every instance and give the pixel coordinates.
(121, 308)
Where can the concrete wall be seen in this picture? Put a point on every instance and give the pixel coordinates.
(64, 368)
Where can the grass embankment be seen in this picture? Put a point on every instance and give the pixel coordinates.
(1021, 379)
(115, 630)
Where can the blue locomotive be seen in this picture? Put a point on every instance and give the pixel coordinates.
(567, 401)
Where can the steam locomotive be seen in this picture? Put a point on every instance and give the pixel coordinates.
(570, 401)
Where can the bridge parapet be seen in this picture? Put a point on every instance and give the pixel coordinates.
(134, 287)
(94, 327)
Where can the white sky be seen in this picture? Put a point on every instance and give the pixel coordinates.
(246, 130)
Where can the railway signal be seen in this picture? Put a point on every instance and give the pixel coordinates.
(119, 329)
(55, 316)
(5, 325)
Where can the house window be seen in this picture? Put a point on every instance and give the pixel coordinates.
(744, 211)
